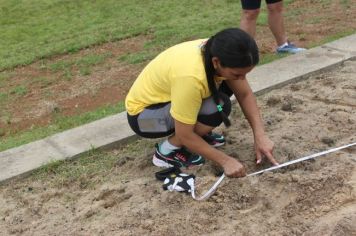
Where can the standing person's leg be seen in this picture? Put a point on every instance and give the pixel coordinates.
(250, 11)
(275, 21)
(276, 25)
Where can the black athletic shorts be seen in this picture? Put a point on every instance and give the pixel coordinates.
(255, 4)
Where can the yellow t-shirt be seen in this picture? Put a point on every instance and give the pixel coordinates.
(176, 75)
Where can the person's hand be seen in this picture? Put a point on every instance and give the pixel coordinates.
(233, 168)
(264, 148)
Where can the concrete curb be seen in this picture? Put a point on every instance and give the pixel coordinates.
(114, 130)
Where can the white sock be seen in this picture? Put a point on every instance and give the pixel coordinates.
(166, 148)
(283, 45)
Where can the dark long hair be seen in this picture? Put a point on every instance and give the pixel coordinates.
(235, 49)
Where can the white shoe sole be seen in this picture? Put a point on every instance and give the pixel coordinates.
(159, 163)
(218, 144)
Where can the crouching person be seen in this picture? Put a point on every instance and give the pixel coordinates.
(184, 93)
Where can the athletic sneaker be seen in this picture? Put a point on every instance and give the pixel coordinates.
(289, 48)
(214, 139)
(180, 158)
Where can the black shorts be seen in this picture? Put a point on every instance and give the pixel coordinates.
(255, 4)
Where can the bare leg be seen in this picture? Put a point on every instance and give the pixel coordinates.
(275, 22)
(248, 21)
(200, 129)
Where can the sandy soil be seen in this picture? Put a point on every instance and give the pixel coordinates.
(315, 197)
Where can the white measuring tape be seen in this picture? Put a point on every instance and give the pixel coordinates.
(212, 190)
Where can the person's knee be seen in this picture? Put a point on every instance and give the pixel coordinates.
(215, 119)
(250, 15)
(275, 8)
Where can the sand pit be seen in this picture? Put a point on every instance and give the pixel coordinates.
(315, 197)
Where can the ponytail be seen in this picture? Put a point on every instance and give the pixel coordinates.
(235, 49)
(210, 74)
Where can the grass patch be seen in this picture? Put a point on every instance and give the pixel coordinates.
(334, 37)
(35, 30)
(85, 63)
(82, 64)
(20, 90)
(262, 18)
(3, 97)
(91, 60)
(91, 168)
(339, 35)
(80, 171)
(5, 118)
(43, 82)
(59, 124)
(5, 77)
(61, 65)
(136, 58)
(346, 3)
(267, 58)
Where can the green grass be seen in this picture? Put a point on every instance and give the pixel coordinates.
(90, 168)
(42, 81)
(32, 30)
(4, 77)
(60, 65)
(59, 124)
(138, 57)
(346, 3)
(3, 97)
(334, 37)
(80, 171)
(20, 90)
(83, 64)
(262, 18)
(5, 118)
(267, 58)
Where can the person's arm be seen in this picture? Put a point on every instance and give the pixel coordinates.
(246, 99)
(186, 136)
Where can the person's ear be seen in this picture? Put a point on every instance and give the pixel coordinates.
(216, 62)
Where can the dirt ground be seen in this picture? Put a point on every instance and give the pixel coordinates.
(38, 94)
(316, 197)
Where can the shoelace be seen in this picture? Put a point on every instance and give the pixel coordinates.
(181, 156)
(186, 154)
